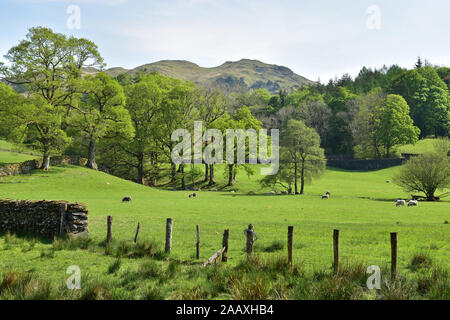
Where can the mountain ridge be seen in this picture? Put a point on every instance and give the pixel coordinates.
(231, 76)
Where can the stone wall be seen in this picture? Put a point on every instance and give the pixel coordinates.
(27, 166)
(43, 218)
(365, 164)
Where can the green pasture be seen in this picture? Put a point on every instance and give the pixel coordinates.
(361, 206)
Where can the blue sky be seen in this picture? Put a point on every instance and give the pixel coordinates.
(317, 38)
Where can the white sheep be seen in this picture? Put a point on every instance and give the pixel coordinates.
(413, 203)
(400, 203)
(326, 196)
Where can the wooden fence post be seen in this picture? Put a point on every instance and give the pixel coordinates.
(109, 229)
(336, 251)
(249, 234)
(226, 235)
(198, 243)
(169, 225)
(290, 241)
(394, 254)
(137, 232)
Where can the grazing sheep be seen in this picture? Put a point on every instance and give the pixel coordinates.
(328, 193)
(326, 196)
(126, 199)
(400, 203)
(192, 195)
(413, 203)
(232, 191)
(388, 181)
(272, 193)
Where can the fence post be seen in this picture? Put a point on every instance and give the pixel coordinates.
(394, 255)
(336, 251)
(198, 243)
(226, 235)
(249, 234)
(290, 241)
(169, 225)
(62, 223)
(109, 229)
(137, 232)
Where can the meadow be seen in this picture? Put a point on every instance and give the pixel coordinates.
(362, 207)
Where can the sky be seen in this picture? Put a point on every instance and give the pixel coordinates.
(315, 38)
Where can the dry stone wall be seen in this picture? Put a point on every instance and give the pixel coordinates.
(43, 218)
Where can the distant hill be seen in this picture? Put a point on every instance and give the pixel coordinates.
(231, 76)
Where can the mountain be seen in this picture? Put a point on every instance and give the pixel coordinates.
(231, 76)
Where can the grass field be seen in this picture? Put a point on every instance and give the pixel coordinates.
(421, 146)
(11, 153)
(13, 157)
(361, 206)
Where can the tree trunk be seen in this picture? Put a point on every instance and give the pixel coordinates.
(183, 183)
(302, 177)
(46, 162)
(230, 175)
(91, 156)
(211, 175)
(295, 177)
(206, 173)
(141, 168)
(173, 172)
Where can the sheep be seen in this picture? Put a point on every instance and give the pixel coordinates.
(192, 195)
(328, 193)
(413, 203)
(388, 181)
(272, 193)
(326, 196)
(400, 203)
(126, 199)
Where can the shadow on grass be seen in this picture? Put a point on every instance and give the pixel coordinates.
(27, 237)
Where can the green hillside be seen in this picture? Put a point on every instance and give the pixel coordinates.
(361, 206)
(13, 157)
(230, 76)
(421, 146)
